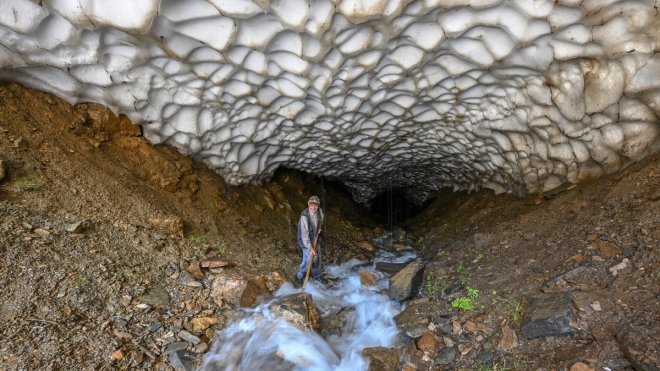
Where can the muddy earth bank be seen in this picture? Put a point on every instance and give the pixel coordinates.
(117, 254)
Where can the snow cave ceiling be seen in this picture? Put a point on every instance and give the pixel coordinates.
(515, 96)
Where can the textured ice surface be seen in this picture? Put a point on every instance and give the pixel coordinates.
(515, 96)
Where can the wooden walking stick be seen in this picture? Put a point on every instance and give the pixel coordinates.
(311, 258)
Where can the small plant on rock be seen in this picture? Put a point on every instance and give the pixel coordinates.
(515, 309)
(472, 293)
(432, 286)
(464, 304)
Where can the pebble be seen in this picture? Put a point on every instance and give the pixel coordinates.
(201, 348)
(74, 227)
(185, 335)
(596, 306)
(508, 340)
(615, 269)
(42, 232)
(447, 356)
(581, 367)
(486, 356)
(175, 346)
(117, 355)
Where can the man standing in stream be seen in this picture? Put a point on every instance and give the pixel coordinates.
(310, 220)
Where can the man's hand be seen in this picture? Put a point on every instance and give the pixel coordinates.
(312, 252)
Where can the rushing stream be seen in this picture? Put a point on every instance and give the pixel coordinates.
(262, 341)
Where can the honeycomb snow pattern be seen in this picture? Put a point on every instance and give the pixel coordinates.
(515, 96)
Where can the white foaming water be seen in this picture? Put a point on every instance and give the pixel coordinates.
(260, 340)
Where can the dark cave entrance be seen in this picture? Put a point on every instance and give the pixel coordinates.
(394, 208)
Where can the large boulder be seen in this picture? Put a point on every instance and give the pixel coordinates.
(406, 283)
(390, 268)
(231, 287)
(548, 315)
(255, 289)
(228, 288)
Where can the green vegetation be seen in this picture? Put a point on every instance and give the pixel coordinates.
(472, 293)
(468, 303)
(514, 310)
(463, 303)
(460, 268)
(24, 184)
(432, 287)
(195, 238)
(221, 249)
(519, 363)
(80, 282)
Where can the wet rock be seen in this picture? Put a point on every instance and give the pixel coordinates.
(390, 268)
(382, 359)
(446, 356)
(406, 283)
(255, 288)
(366, 246)
(548, 315)
(508, 339)
(399, 233)
(157, 297)
(367, 279)
(185, 335)
(297, 309)
(275, 280)
(3, 170)
(227, 287)
(182, 360)
(581, 367)
(173, 225)
(333, 324)
(641, 347)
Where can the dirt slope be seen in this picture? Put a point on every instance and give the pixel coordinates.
(566, 242)
(92, 216)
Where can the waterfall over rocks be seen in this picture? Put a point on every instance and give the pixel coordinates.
(280, 334)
